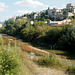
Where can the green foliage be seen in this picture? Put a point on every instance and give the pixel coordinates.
(50, 60)
(2, 29)
(64, 12)
(42, 17)
(53, 12)
(20, 22)
(71, 70)
(57, 37)
(67, 40)
(46, 16)
(10, 21)
(30, 33)
(1, 40)
(53, 35)
(14, 27)
(9, 60)
(39, 23)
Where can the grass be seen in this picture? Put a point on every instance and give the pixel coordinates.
(10, 60)
(51, 60)
(24, 46)
(71, 70)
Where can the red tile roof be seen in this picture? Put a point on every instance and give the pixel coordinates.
(58, 25)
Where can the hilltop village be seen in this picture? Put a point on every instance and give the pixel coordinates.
(51, 17)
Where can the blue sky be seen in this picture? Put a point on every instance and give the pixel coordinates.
(9, 8)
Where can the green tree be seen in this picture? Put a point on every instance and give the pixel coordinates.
(53, 35)
(67, 40)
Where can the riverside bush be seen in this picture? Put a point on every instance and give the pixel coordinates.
(1, 40)
(50, 60)
(10, 62)
(71, 70)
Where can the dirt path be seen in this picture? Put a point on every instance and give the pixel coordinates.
(25, 46)
(43, 51)
(34, 69)
(43, 70)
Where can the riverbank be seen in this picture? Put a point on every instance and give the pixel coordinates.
(37, 70)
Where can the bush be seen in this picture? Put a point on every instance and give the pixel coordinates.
(53, 35)
(1, 40)
(71, 70)
(9, 60)
(67, 39)
(50, 60)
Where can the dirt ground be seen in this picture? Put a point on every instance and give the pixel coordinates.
(34, 69)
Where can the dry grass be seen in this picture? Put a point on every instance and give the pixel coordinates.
(24, 46)
(30, 68)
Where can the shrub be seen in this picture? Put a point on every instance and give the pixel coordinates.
(1, 40)
(9, 60)
(50, 60)
(53, 35)
(67, 39)
(71, 70)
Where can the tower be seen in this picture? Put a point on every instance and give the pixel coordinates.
(14, 18)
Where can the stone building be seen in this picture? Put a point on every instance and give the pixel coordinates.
(55, 13)
(60, 14)
(38, 13)
(0, 25)
(14, 18)
(50, 23)
(71, 10)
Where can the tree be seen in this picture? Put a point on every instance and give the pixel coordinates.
(46, 17)
(67, 40)
(53, 35)
(10, 21)
(64, 12)
(53, 12)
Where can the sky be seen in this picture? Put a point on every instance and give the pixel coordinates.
(9, 8)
